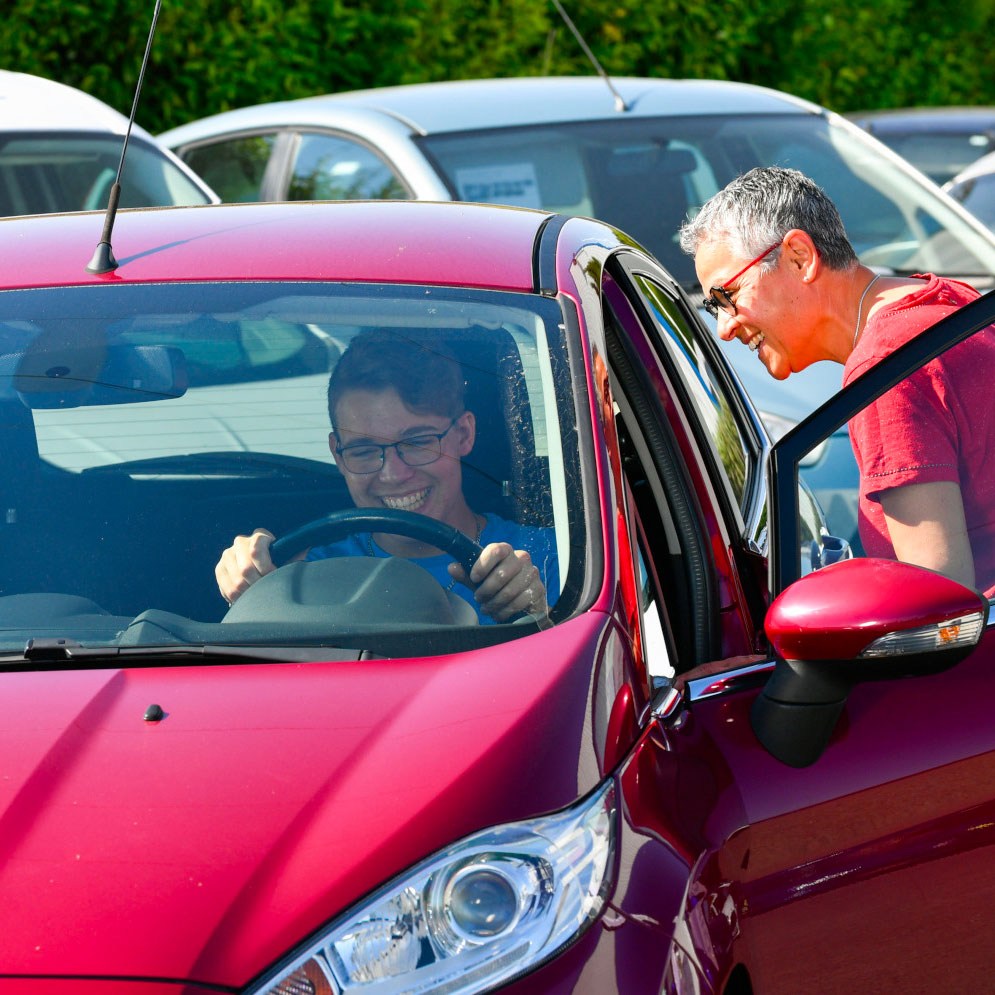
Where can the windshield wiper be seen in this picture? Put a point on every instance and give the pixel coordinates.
(64, 654)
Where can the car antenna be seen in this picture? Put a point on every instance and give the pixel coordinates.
(620, 104)
(103, 260)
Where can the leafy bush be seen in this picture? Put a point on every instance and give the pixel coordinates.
(210, 55)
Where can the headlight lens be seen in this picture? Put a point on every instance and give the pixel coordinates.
(474, 915)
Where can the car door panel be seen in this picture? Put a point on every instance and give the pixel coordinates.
(885, 836)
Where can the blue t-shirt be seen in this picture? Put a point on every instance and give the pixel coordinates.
(539, 543)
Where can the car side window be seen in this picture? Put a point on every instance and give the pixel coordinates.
(233, 167)
(329, 167)
(716, 409)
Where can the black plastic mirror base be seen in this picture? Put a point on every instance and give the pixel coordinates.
(795, 734)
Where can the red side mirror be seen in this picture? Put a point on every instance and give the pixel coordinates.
(857, 620)
(838, 612)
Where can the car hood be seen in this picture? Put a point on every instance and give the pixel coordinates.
(268, 799)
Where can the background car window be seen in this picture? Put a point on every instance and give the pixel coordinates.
(40, 174)
(235, 167)
(328, 167)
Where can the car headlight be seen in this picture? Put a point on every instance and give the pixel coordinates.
(474, 915)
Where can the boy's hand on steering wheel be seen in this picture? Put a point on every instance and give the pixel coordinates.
(507, 582)
(243, 563)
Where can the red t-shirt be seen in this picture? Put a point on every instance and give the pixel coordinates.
(937, 425)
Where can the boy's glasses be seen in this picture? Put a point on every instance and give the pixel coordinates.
(419, 450)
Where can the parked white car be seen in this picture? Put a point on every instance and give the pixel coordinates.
(60, 149)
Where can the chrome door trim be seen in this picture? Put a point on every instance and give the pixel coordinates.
(741, 679)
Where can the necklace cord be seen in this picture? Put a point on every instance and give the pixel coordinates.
(860, 310)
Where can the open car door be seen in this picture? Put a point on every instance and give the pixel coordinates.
(869, 807)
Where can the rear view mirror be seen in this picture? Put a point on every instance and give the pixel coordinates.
(66, 377)
(857, 620)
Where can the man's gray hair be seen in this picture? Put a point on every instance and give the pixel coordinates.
(756, 210)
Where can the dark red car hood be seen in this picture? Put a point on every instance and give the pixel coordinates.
(268, 799)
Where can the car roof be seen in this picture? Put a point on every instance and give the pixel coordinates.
(437, 108)
(420, 242)
(925, 119)
(33, 103)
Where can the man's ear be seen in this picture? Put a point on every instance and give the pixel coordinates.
(801, 255)
(332, 445)
(467, 428)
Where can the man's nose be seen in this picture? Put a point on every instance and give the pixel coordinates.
(394, 468)
(726, 325)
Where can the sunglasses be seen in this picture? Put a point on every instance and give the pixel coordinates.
(718, 297)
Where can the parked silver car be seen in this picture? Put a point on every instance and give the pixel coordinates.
(60, 149)
(641, 163)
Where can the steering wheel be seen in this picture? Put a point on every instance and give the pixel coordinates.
(339, 524)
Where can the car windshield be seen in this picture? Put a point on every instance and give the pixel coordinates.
(47, 173)
(645, 175)
(145, 426)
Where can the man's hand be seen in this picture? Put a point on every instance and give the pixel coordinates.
(243, 563)
(507, 582)
(927, 527)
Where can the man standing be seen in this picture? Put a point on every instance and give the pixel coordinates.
(783, 278)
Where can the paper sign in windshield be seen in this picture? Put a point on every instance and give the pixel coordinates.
(513, 184)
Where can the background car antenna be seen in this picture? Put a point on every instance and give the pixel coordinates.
(103, 260)
(620, 104)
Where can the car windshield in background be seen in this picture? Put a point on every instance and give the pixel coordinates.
(46, 173)
(146, 426)
(645, 176)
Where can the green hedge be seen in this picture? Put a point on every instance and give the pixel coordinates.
(209, 56)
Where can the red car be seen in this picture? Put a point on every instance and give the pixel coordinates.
(362, 776)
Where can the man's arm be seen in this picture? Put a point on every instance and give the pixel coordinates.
(927, 527)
